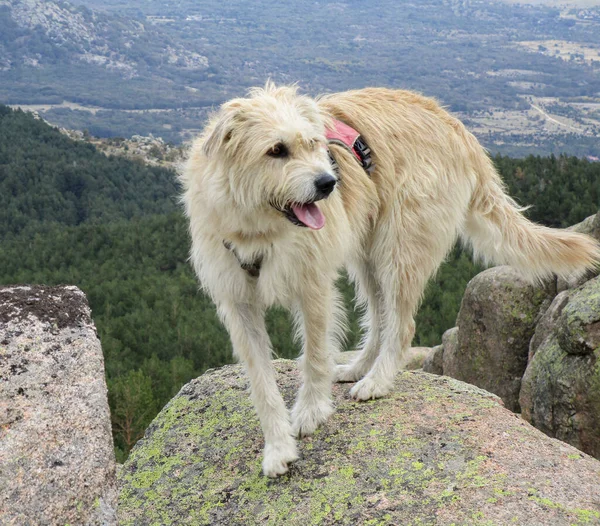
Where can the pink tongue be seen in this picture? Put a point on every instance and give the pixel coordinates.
(310, 215)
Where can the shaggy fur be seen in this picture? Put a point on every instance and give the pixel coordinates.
(432, 183)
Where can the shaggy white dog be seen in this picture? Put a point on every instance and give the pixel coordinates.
(272, 222)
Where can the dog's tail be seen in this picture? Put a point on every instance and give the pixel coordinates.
(500, 234)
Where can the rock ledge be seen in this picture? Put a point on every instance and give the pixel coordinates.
(57, 463)
(437, 451)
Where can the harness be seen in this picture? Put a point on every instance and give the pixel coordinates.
(348, 138)
(341, 135)
(253, 269)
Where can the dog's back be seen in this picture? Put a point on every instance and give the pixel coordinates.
(426, 157)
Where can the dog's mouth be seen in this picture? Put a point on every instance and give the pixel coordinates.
(304, 214)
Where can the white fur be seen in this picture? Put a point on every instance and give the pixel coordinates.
(432, 183)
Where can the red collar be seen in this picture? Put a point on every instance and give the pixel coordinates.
(343, 135)
(347, 137)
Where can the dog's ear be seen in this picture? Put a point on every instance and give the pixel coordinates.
(221, 128)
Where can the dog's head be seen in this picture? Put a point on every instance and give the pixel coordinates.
(270, 149)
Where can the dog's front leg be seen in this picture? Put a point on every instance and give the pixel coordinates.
(318, 309)
(246, 325)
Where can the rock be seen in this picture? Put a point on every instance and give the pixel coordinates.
(434, 361)
(415, 357)
(450, 355)
(496, 321)
(579, 322)
(57, 462)
(560, 391)
(547, 323)
(436, 451)
(591, 227)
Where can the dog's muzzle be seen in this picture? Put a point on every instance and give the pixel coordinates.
(324, 185)
(308, 214)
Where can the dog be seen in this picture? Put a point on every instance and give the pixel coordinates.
(275, 211)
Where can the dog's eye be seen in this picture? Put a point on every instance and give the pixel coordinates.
(278, 151)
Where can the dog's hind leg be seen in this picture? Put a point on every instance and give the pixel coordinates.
(369, 295)
(320, 317)
(396, 336)
(407, 251)
(251, 344)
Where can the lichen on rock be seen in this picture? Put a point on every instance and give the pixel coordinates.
(436, 451)
(579, 323)
(497, 319)
(560, 391)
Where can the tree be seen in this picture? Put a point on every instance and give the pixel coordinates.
(132, 408)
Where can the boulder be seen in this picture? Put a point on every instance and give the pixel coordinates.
(57, 462)
(415, 357)
(496, 321)
(578, 327)
(451, 355)
(547, 323)
(560, 391)
(436, 451)
(591, 227)
(434, 361)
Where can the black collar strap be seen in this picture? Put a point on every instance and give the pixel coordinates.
(253, 269)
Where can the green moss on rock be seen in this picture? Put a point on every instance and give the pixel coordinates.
(560, 391)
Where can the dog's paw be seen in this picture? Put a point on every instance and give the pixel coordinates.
(277, 456)
(368, 389)
(347, 373)
(307, 418)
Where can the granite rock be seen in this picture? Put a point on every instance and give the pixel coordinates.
(57, 462)
(560, 391)
(496, 322)
(434, 361)
(436, 451)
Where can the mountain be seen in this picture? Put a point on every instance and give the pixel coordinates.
(77, 33)
(47, 178)
(70, 214)
(52, 52)
(525, 78)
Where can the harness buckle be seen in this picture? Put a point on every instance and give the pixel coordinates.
(252, 268)
(364, 152)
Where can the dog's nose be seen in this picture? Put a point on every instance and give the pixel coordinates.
(325, 184)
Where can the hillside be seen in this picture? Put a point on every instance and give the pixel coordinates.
(526, 78)
(48, 178)
(111, 226)
(76, 54)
